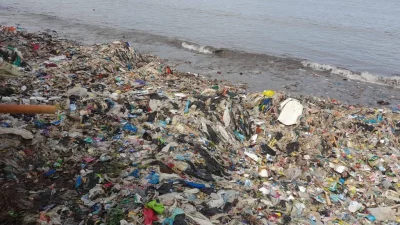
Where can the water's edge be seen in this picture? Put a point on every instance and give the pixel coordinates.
(258, 71)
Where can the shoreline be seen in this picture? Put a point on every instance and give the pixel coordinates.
(260, 71)
(127, 130)
(338, 58)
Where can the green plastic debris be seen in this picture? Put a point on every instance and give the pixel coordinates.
(13, 214)
(18, 61)
(88, 140)
(157, 207)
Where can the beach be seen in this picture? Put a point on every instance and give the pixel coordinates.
(134, 140)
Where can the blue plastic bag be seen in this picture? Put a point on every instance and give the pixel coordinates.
(78, 182)
(135, 173)
(50, 172)
(239, 136)
(153, 178)
(195, 185)
(187, 106)
(130, 127)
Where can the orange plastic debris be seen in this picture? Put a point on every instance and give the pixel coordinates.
(10, 29)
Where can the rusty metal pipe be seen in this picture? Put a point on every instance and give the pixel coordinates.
(28, 109)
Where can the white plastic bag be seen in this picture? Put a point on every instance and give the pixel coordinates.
(291, 111)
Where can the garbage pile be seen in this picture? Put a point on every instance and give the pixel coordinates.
(133, 142)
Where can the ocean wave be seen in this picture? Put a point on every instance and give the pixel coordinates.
(197, 48)
(393, 81)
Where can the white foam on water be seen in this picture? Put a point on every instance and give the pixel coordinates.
(393, 81)
(192, 47)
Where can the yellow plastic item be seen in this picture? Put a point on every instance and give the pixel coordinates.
(272, 142)
(268, 93)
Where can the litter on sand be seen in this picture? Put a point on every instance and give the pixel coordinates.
(133, 141)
